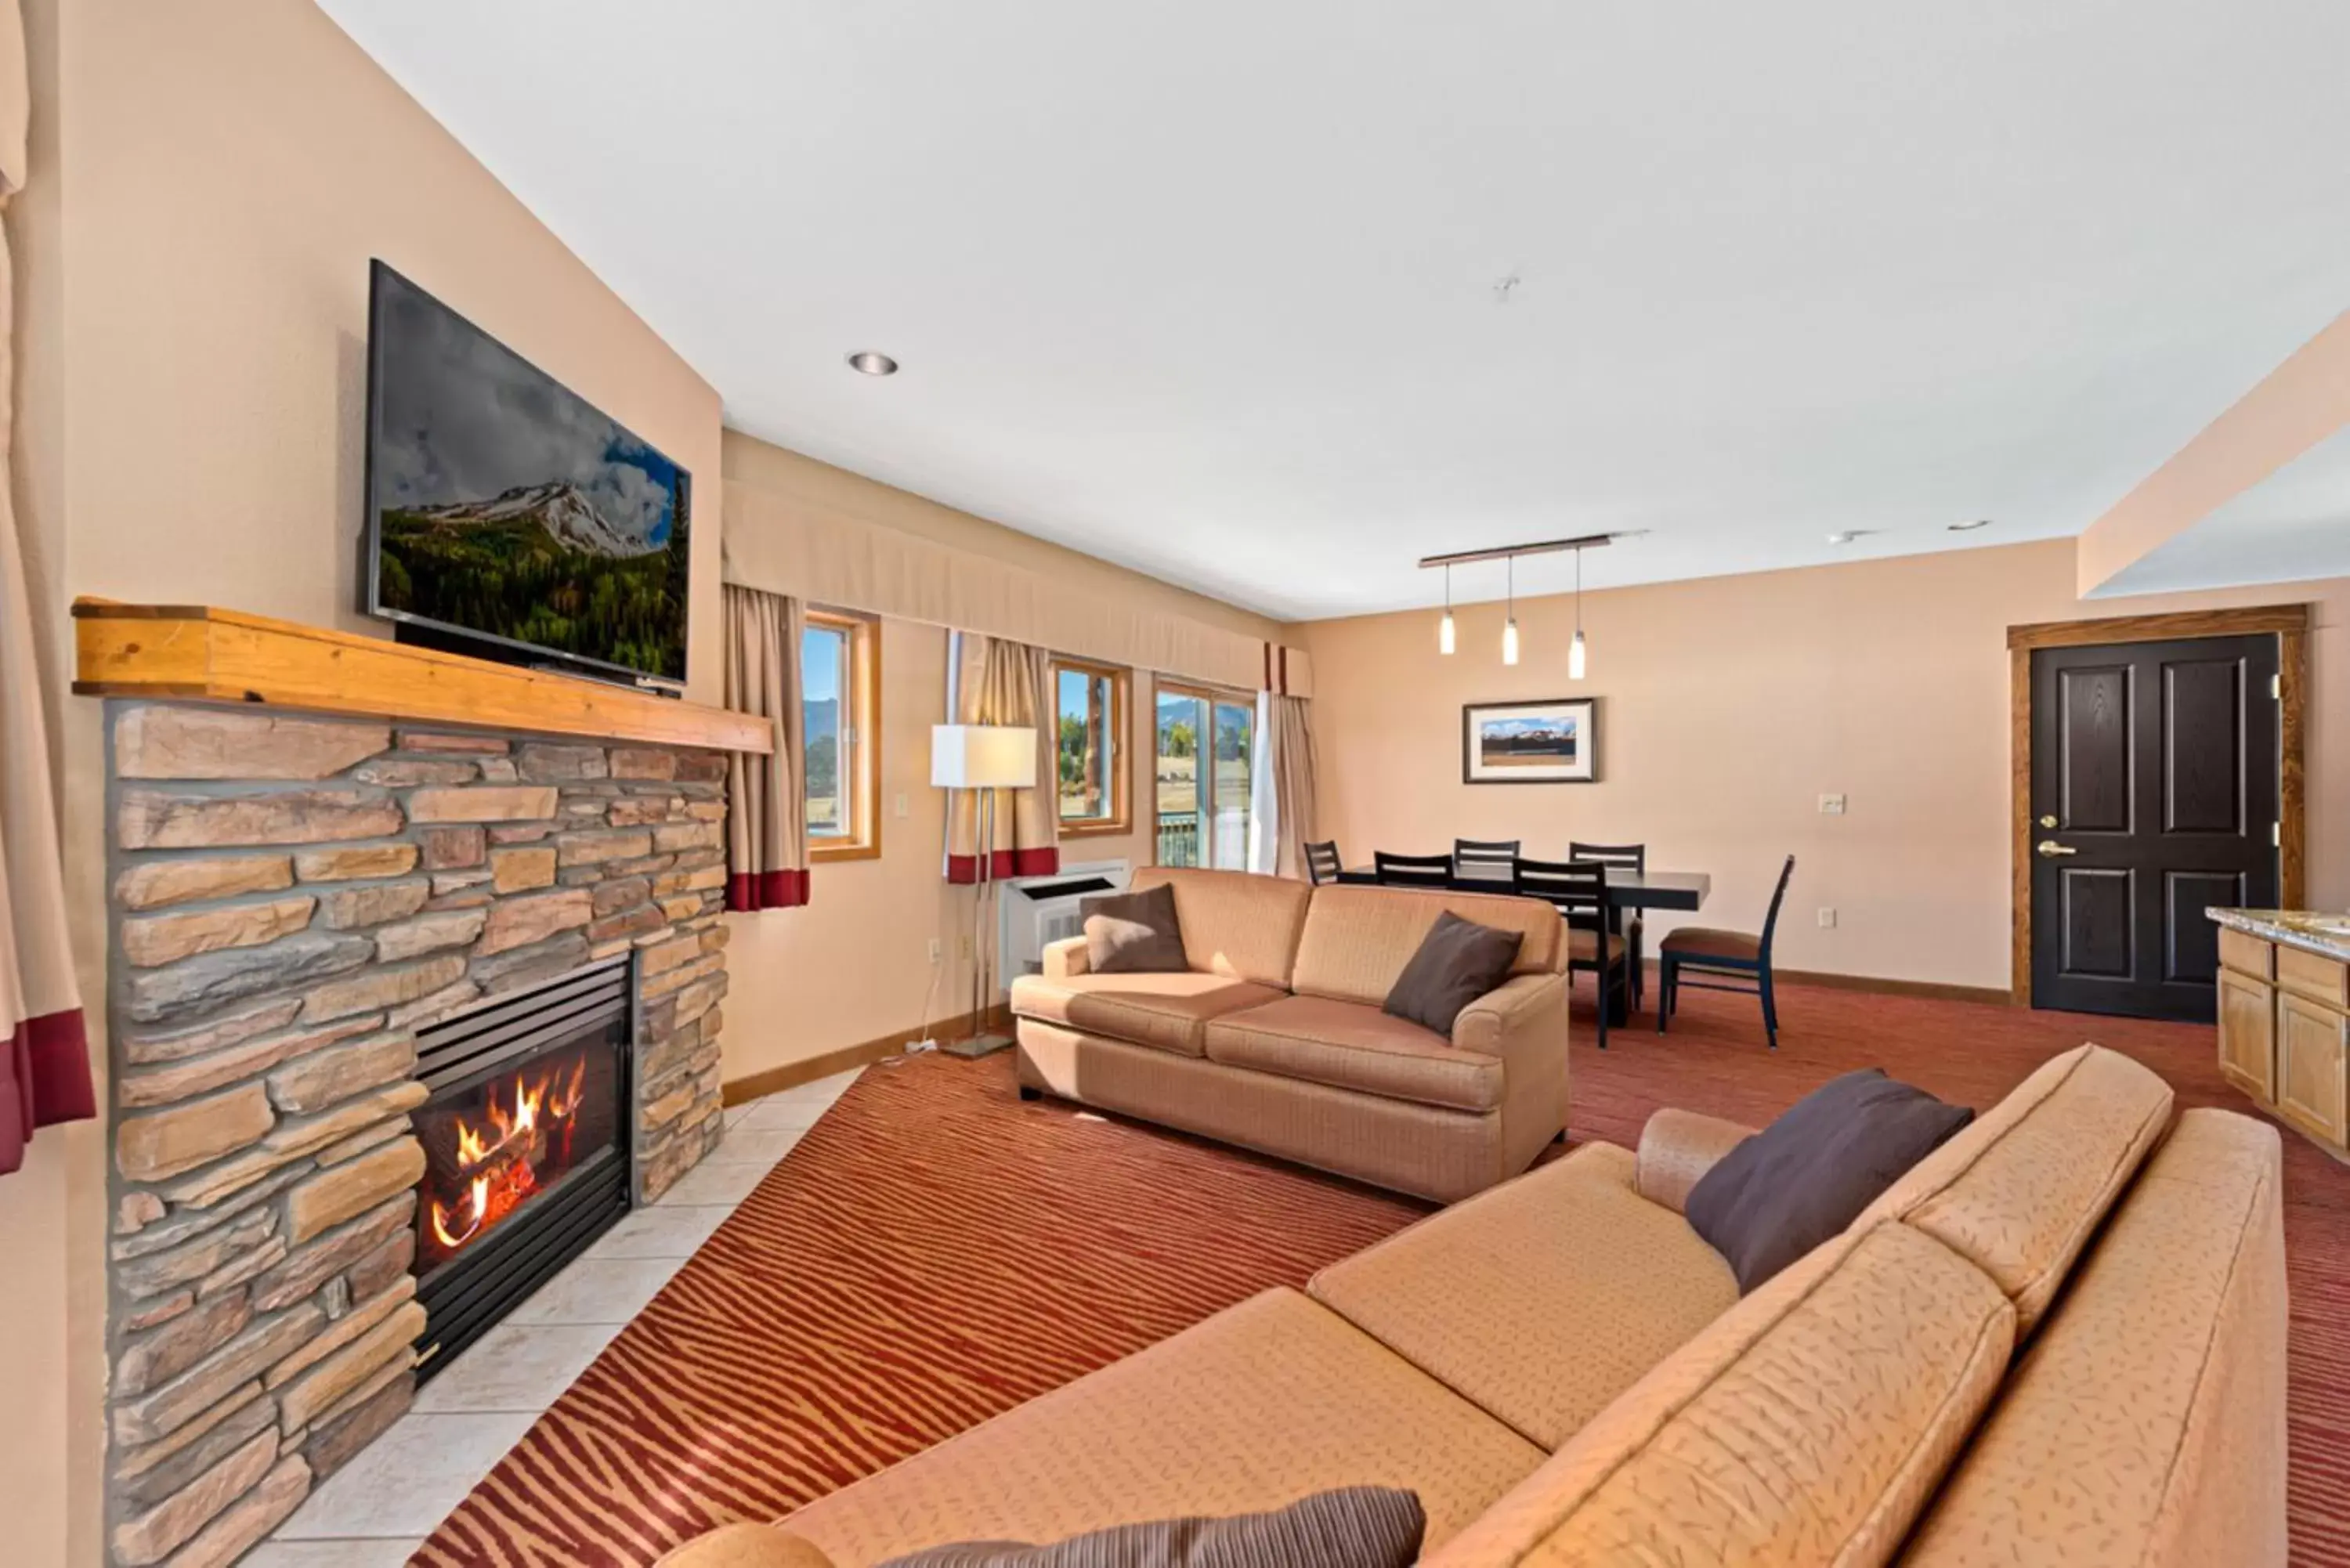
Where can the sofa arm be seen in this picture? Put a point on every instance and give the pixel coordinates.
(1677, 1148)
(1067, 957)
(1490, 1025)
(746, 1546)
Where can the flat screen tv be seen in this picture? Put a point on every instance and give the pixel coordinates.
(504, 509)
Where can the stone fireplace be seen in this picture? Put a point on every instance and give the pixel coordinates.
(399, 1014)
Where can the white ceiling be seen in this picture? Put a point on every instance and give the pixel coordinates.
(1208, 289)
(2292, 527)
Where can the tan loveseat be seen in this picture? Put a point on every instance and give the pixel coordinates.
(1273, 1038)
(2058, 1341)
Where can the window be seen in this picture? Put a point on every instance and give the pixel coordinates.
(1205, 744)
(1091, 700)
(840, 686)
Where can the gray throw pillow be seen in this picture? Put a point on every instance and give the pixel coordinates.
(1352, 1527)
(1458, 962)
(1133, 933)
(1804, 1178)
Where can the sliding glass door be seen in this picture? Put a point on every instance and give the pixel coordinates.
(1206, 740)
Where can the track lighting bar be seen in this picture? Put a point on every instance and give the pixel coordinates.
(1511, 552)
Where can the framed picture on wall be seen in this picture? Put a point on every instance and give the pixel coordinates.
(1554, 742)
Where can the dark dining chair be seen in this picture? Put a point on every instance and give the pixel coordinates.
(1321, 862)
(1412, 870)
(1738, 962)
(1579, 893)
(1498, 853)
(1634, 858)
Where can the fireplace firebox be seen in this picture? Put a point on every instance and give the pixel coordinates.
(526, 1147)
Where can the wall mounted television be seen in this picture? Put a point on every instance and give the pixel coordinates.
(506, 515)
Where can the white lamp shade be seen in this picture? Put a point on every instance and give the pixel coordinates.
(983, 756)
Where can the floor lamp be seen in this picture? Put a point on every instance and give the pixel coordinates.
(986, 758)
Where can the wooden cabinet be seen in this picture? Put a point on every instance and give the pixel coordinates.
(2310, 1045)
(2248, 1034)
(2284, 1033)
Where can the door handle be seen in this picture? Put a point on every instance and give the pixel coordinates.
(2048, 849)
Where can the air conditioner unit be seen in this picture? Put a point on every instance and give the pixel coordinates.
(1034, 910)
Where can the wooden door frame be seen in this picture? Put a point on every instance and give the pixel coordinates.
(2289, 624)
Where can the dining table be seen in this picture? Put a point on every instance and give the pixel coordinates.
(1626, 889)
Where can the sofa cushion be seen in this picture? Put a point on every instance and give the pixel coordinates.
(2020, 1192)
(1458, 962)
(1348, 1045)
(1262, 1404)
(1346, 1527)
(1167, 1011)
(1357, 940)
(2145, 1425)
(1234, 924)
(1808, 1425)
(1542, 1298)
(1133, 933)
(1809, 1174)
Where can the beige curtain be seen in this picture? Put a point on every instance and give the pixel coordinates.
(998, 681)
(44, 1050)
(1288, 731)
(766, 799)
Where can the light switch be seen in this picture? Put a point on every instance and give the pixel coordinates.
(1827, 919)
(901, 802)
(1831, 805)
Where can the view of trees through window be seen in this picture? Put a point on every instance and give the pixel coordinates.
(1204, 749)
(825, 666)
(1092, 705)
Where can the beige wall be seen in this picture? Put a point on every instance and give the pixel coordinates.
(853, 965)
(215, 175)
(1729, 705)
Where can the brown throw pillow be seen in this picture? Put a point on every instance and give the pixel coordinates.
(1352, 1527)
(1804, 1178)
(1133, 933)
(1458, 962)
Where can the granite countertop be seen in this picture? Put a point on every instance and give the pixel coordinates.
(2308, 929)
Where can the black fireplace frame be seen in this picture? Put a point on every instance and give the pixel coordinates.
(465, 1296)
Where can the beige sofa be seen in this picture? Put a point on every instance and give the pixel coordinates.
(2058, 1341)
(1274, 1040)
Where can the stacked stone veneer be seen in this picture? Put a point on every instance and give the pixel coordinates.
(292, 898)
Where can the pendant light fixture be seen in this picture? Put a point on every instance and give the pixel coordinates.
(1574, 649)
(1510, 627)
(1509, 554)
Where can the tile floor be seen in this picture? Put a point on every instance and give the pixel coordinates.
(377, 1509)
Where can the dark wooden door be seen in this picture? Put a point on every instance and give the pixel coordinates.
(2154, 793)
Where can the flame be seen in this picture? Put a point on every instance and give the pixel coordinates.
(501, 1156)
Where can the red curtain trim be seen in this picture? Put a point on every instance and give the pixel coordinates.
(752, 891)
(44, 1080)
(964, 868)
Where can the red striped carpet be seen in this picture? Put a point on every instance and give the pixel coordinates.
(935, 1251)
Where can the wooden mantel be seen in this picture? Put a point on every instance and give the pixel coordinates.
(201, 653)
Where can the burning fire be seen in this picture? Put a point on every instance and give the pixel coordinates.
(500, 1158)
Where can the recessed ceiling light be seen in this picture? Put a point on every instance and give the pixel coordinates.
(1968, 528)
(869, 363)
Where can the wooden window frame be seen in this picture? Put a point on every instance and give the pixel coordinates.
(1212, 695)
(861, 794)
(1119, 727)
(2287, 623)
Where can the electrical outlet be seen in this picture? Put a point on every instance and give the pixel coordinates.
(1827, 919)
(901, 802)
(914, 1045)
(1831, 805)
(935, 949)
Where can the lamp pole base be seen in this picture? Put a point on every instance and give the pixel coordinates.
(977, 1045)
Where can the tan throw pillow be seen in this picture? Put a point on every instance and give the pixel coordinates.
(1134, 933)
(1458, 962)
(1351, 1527)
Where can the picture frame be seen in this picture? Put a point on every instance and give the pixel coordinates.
(1549, 741)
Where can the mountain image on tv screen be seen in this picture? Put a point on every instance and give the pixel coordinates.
(505, 505)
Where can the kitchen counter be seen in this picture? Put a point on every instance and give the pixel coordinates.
(2326, 934)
